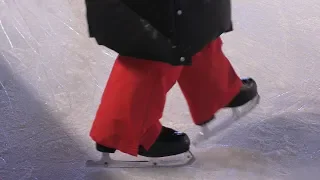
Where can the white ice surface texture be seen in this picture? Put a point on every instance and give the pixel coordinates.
(52, 76)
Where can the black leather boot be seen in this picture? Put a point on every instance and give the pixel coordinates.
(248, 91)
(170, 142)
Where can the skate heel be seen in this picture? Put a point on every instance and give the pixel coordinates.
(214, 127)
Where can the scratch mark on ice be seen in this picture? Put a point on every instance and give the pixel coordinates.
(5, 33)
(5, 91)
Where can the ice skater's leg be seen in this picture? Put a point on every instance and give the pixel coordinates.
(132, 104)
(210, 83)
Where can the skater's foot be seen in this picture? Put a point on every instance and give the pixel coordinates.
(104, 149)
(247, 92)
(169, 143)
(245, 101)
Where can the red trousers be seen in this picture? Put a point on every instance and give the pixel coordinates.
(134, 98)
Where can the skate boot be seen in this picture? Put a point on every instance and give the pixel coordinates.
(245, 101)
(248, 92)
(169, 143)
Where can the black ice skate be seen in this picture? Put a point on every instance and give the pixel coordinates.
(247, 93)
(169, 143)
(243, 103)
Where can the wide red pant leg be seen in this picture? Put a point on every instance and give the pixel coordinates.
(132, 104)
(210, 83)
(134, 97)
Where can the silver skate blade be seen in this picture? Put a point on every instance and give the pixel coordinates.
(216, 126)
(242, 111)
(174, 161)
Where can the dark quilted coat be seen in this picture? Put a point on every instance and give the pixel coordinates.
(170, 31)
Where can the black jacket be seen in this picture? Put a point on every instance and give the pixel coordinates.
(171, 31)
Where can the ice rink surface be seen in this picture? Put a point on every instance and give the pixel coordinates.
(52, 76)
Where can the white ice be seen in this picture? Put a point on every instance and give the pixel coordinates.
(52, 76)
